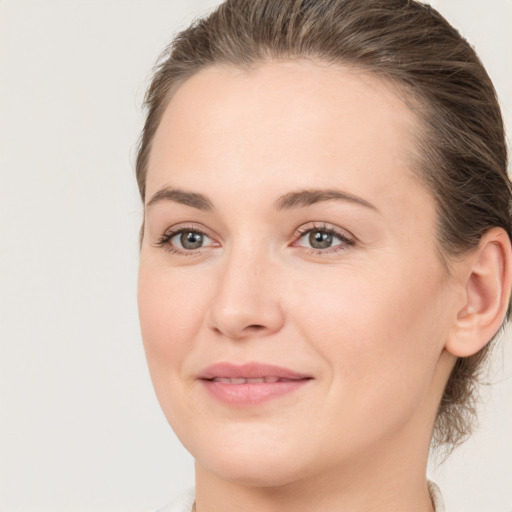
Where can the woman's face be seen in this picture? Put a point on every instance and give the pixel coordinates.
(284, 226)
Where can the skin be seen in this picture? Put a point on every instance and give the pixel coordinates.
(368, 319)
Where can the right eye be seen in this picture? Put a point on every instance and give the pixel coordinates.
(190, 240)
(185, 241)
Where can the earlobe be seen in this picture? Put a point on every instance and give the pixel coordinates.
(487, 281)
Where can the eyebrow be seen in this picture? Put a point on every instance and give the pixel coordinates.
(291, 200)
(192, 199)
(304, 198)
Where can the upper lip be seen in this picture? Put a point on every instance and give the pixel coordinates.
(249, 371)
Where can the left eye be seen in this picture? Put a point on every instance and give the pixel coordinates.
(321, 239)
(190, 240)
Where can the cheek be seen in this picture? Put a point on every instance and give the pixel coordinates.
(380, 333)
(366, 309)
(171, 309)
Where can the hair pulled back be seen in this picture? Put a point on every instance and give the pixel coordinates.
(463, 155)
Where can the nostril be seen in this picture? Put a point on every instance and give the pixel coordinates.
(255, 327)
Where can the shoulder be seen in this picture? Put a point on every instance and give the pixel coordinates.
(183, 503)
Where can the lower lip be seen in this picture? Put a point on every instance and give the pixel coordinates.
(251, 393)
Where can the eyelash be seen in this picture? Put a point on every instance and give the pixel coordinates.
(164, 240)
(345, 239)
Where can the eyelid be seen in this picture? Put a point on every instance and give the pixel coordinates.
(343, 235)
(323, 226)
(172, 231)
(180, 232)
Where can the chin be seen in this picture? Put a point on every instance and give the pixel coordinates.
(255, 459)
(252, 470)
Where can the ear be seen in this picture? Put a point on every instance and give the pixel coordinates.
(486, 280)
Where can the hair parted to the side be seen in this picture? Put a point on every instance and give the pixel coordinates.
(462, 145)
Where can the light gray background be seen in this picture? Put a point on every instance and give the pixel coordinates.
(80, 428)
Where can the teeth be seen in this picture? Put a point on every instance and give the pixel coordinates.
(241, 380)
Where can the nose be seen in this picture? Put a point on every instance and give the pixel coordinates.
(247, 298)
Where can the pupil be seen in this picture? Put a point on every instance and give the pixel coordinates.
(191, 240)
(320, 239)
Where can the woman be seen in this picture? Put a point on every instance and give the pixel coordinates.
(325, 253)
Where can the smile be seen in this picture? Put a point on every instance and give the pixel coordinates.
(250, 384)
(241, 380)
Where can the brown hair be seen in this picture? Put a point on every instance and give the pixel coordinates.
(462, 144)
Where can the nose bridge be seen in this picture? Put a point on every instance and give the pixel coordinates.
(246, 300)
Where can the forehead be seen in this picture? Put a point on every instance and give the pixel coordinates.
(316, 123)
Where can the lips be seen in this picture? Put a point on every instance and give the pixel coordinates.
(250, 384)
(241, 380)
